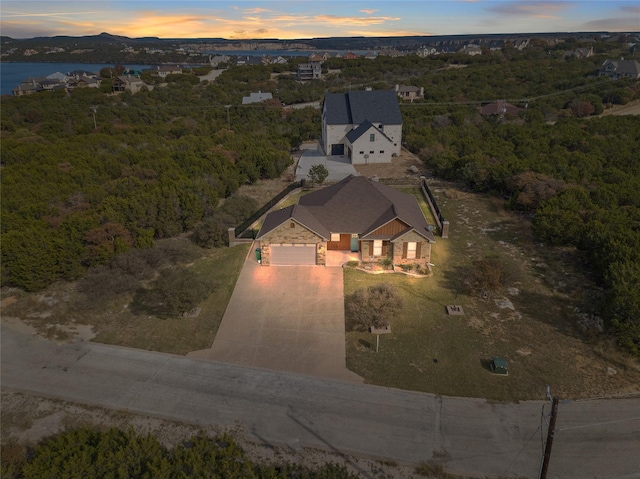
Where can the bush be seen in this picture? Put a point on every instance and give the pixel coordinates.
(386, 262)
(176, 291)
(374, 306)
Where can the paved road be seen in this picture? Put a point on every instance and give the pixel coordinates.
(596, 438)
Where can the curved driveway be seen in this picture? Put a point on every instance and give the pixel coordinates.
(594, 439)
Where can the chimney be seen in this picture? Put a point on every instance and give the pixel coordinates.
(397, 87)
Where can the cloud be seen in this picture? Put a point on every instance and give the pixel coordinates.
(368, 11)
(611, 25)
(337, 20)
(531, 9)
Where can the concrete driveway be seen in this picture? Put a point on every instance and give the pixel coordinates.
(339, 167)
(285, 318)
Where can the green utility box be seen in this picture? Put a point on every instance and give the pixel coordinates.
(258, 255)
(499, 366)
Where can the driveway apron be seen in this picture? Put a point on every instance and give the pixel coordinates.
(285, 318)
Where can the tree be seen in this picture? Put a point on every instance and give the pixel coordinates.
(317, 174)
(373, 306)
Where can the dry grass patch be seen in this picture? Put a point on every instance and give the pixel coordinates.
(60, 307)
(532, 320)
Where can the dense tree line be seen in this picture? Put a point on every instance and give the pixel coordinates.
(89, 452)
(156, 166)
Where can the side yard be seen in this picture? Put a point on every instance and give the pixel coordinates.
(534, 321)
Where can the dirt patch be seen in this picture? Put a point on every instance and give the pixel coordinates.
(631, 108)
(406, 165)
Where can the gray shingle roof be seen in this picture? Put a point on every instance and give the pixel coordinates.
(355, 205)
(354, 107)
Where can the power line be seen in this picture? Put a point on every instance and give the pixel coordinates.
(600, 424)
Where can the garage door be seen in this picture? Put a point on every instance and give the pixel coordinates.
(293, 254)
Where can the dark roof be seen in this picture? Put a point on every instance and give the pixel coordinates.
(629, 67)
(355, 205)
(354, 107)
(356, 133)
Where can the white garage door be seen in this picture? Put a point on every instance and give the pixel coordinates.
(293, 254)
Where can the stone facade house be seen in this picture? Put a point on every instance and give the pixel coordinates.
(357, 215)
(365, 126)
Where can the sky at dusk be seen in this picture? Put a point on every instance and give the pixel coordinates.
(251, 19)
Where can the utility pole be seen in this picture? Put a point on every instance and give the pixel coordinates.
(228, 117)
(95, 109)
(550, 433)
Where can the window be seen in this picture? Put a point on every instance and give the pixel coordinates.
(377, 247)
(292, 225)
(381, 152)
(411, 249)
(371, 152)
(372, 137)
(362, 152)
(335, 236)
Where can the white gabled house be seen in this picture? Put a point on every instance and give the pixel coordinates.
(365, 126)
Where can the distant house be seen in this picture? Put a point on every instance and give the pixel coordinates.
(371, 55)
(256, 98)
(316, 58)
(280, 60)
(28, 86)
(249, 60)
(165, 70)
(88, 82)
(426, 50)
(127, 83)
(358, 215)
(52, 84)
(58, 76)
(309, 71)
(409, 92)
(583, 52)
(620, 69)
(471, 49)
(500, 108)
(365, 126)
(349, 56)
(216, 60)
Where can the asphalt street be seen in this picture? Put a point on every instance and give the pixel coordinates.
(594, 439)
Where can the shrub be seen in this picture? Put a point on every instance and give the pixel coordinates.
(176, 291)
(386, 263)
(373, 306)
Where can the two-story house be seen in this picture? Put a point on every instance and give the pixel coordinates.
(365, 126)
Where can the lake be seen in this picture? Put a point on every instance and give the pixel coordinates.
(11, 74)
